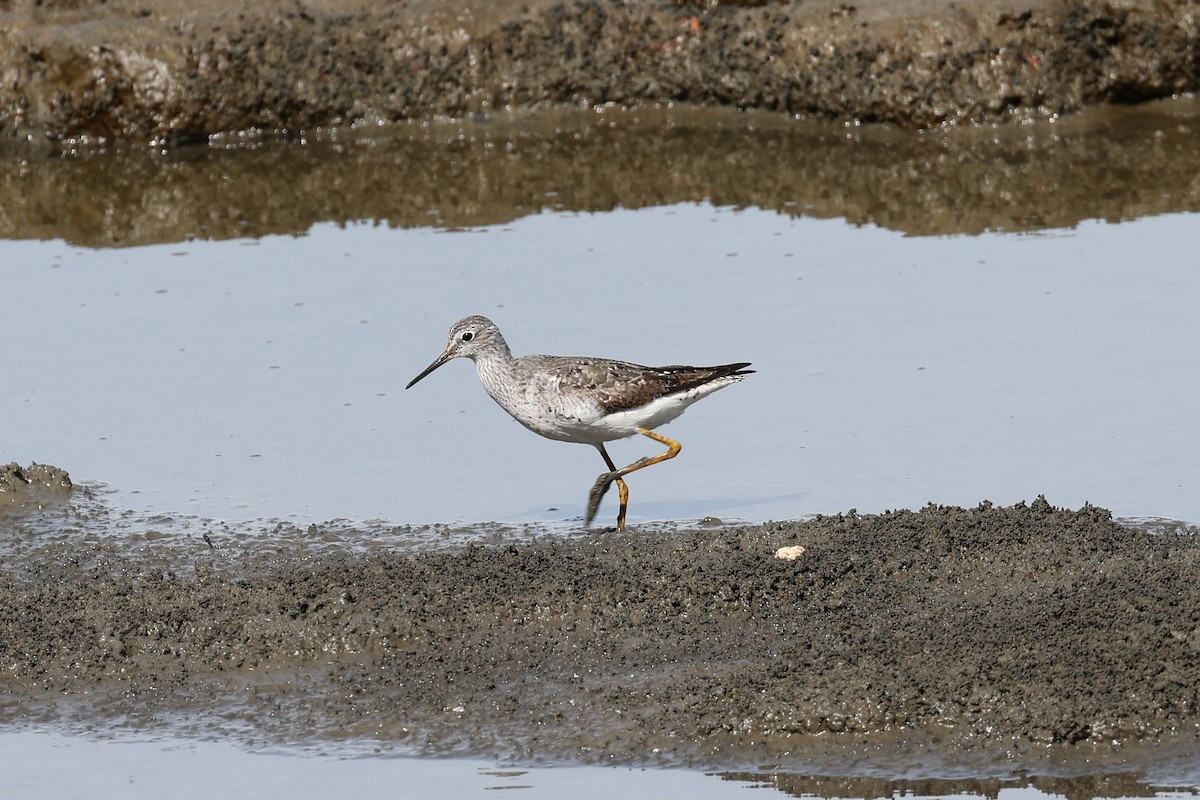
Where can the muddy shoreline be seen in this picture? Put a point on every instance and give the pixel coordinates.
(987, 639)
(33, 486)
(173, 72)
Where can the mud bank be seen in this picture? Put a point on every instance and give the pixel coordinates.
(180, 71)
(999, 638)
(32, 486)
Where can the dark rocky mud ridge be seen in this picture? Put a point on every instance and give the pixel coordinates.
(32, 486)
(985, 640)
(179, 71)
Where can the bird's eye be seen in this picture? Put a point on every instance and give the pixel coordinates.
(467, 336)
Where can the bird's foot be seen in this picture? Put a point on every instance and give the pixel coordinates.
(599, 489)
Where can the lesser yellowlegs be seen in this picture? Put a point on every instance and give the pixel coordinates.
(582, 399)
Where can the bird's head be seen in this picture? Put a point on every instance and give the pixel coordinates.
(467, 339)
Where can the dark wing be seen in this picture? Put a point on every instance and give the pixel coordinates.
(620, 385)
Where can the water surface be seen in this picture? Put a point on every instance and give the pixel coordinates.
(151, 768)
(265, 378)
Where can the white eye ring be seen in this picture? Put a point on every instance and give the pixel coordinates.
(467, 336)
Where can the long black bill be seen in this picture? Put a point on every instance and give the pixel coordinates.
(442, 359)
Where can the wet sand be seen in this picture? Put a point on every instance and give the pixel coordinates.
(177, 71)
(987, 639)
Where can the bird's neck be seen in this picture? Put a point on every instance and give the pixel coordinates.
(495, 365)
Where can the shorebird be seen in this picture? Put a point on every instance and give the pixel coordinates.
(583, 399)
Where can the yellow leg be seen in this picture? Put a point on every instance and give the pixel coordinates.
(615, 476)
(673, 448)
(622, 491)
(623, 495)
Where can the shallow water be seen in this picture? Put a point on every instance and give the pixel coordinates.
(265, 378)
(151, 768)
(167, 341)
